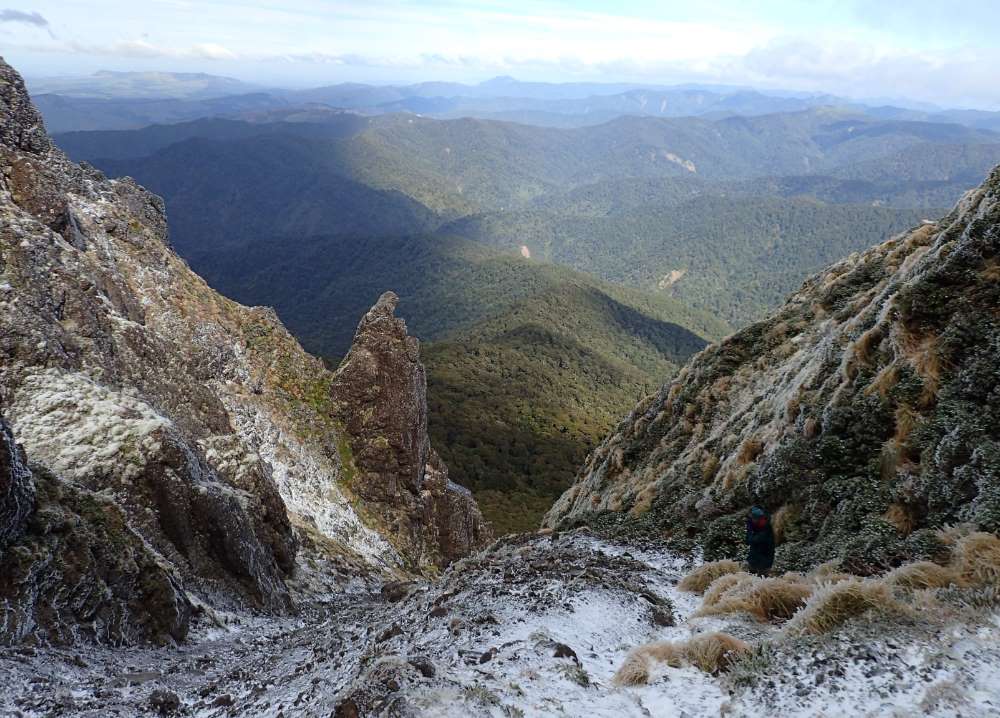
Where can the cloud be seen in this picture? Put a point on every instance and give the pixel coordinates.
(146, 49)
(35, 19)
(963, 77)
(27, 18)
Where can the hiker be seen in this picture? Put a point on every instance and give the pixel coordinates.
(760, 540)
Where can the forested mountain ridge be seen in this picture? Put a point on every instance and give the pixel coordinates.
(132, 100)
(525, 356)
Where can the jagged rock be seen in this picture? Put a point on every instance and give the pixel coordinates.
(80, 571)
(17, 491)
(107, 363)
(864, 413)
(379, 394)
(460, 526)
(21, 124)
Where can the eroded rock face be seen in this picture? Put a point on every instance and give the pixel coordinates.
(109, 348)
(181, 444)
(864, 413)
(17, 490)
(379, 394)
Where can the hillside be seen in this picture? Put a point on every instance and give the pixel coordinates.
(735, 257)
(638, 200)
(862, 413)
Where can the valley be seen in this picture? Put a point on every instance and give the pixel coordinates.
(677, 231)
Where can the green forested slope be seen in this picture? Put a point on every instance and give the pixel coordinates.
(528, 363)
(733, 256)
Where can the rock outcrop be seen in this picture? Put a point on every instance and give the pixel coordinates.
(181, 444)
(864, 413)
(379, 394)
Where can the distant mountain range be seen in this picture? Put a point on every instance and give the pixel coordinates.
(115, 100)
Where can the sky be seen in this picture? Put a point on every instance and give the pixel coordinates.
(925, 50)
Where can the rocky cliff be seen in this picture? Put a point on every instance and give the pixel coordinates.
(380, 396)
(17, 490)
(185, 449)
(863, 413)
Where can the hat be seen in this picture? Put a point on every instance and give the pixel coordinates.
(757, 512)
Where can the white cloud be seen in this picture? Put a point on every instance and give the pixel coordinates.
(145, 49)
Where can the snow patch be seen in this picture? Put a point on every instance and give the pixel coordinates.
(306, 480)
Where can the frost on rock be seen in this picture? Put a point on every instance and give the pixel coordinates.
(307, 481)
(535, 625)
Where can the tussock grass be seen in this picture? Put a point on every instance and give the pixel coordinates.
(952, 534)
(884, 381)
(714, 652)
(781, 520)
(833, 604)
(725, 585)
(828, 572)
(709, 652)
(920, 575)
(750, 450)
(901, 517)
(703, 576)
(976, 559)
(766, 599)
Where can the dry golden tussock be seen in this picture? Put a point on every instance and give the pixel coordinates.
(644, 501)
(991, 272)
(709, 652)
(921, 574)
(751, 449)
(792, 408)
(781, 520)
(950, 535)
(976, 559)
(833, 604)
(709, 467)
(725, 585)
(825, 569)
(901, 517)
(765, 599)
(923, 354)
(867, 343)
(884, 381)
(906, 421)
(714, 652)
(701, 578)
